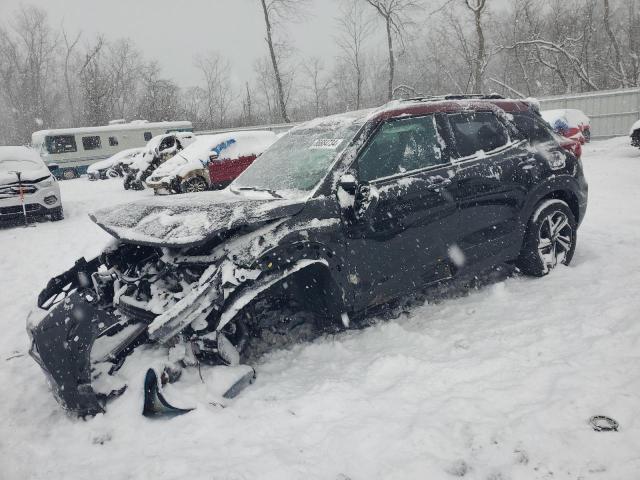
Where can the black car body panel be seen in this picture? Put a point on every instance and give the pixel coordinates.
(374, 226)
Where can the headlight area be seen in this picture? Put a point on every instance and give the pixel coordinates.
(47, 182)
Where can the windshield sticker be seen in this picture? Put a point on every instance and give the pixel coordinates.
(326, 144)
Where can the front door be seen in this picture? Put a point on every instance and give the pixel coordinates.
(403, 211)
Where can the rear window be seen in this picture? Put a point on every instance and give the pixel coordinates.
(476, 131)
(532, 128)
(61, 144)
(91, 143)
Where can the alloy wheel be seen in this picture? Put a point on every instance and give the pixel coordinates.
(196, 185)
(555, 239)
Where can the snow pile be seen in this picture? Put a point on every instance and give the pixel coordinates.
(120, 157)
(573, 118)
(496, 384)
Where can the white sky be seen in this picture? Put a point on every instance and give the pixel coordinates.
(172, 32)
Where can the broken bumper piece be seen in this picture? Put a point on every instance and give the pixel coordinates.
(61, 344)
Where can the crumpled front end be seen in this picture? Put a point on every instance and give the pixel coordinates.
(99, 311)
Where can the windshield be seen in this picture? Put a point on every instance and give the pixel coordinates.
(299, 160)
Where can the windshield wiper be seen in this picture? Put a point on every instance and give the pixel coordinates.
(258, 189)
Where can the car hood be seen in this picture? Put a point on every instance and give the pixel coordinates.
(189, 219)
(35, 175)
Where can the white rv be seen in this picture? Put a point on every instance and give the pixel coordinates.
(74, 149)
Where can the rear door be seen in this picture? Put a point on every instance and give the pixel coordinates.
(397, 244)
(487, 190)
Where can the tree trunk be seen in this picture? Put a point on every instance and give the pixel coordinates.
(274, 62)
(616, 47)
(481, 52)
(392, 62)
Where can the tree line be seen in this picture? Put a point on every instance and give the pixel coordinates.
(50, 77)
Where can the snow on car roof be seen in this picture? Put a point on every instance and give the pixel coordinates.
(135, 125)
(572, 116)
(634, 127)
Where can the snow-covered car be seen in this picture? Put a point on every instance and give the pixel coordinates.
(211, 162)
(112, 167)
(338, 217)
(159, 149)
(635, 134)
(27, 186)
(570, 123)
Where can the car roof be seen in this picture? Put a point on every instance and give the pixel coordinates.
(450, 104)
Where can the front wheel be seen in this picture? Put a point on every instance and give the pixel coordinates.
(550, 239)
(193, 184)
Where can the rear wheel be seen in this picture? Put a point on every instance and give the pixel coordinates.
(194, 184)
(550, 239)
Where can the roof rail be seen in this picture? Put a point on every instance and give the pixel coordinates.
(457, 96)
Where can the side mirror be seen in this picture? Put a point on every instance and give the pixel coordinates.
(348, 183)
(52, 167)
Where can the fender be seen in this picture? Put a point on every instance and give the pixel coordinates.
(563, 186)
(244, 296)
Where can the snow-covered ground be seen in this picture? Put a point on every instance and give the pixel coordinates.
(498, 384)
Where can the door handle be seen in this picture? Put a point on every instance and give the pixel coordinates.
(437, 183)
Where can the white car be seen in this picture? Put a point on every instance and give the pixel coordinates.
(211, 162)
(27, 186)
(112, 167)
(635, 134)
(159, 149)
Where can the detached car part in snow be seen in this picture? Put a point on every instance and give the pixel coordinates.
(428, 188)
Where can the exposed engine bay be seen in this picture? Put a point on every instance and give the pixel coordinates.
(100, 310)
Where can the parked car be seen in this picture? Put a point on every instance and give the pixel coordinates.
(27, 187)
(635, 134)
(340, 215)
(570, 123)
(112, 166)
(159, 149)
(211, 162)
(536, 129)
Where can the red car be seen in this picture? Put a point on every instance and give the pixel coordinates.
(570, 123)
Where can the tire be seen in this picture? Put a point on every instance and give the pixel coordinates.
(57, 214)
(69, 174)
(193, 185)
(550, 239)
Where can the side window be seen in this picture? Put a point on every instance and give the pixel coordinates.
(113, 141)
(91, 143)
(475, 131)
(533, 129)
(167, 142)
(147, 136)
(61, 144)
(401, 146)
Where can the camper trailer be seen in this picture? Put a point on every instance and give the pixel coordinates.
(74, 149)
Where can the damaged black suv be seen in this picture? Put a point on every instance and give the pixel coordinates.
(341, 214)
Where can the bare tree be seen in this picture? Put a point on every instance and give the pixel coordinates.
(68, 80)
(160, 98)
(217, 87)
(319, 85)
(394, 14)
(355, 30)
(278, 11)
(478, 7)
(28, 72)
